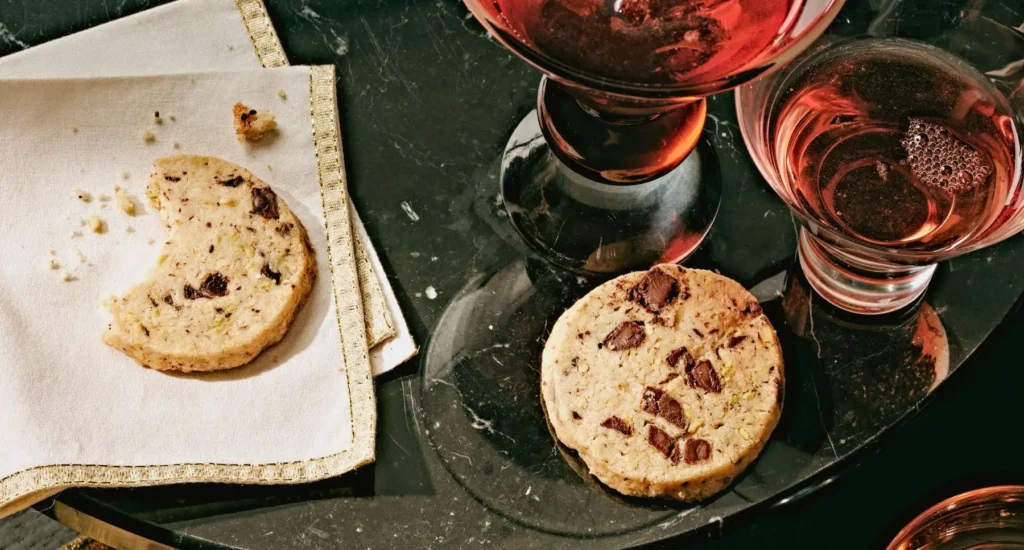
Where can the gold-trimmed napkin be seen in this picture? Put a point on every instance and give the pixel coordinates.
(211, 35)
(74, 412)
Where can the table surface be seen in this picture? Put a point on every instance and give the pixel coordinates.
(428, 102)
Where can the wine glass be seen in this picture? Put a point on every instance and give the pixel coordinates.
(605, 178)
(895, 153)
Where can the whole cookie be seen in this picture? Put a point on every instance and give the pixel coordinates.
(666, 382)
(236, 267)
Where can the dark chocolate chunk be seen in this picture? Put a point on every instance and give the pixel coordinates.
(172, 178)
(736, 340)
(211, 249)
(285, 229)
(703, 376)
(655, 291)
(659, 439)
(152, 301)
(618, 424)
(270, 274)
(753, 308)
(575, 362)
(680, 355)
(659, 403)
(677, 452)
(696, 450)
(698, 333)
(576, 416)
(191, 293)
(628, 335)
(671, 410)
(144, 329)
(649, 400)
(169, 300)
(232, 182)
(252, 112)
(264, 202)
(214, 285)
(671, 376)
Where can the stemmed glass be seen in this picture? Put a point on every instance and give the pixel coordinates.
(605, 178)
(894, 154)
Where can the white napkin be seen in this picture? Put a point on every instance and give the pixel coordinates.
(208, 35)
(297, 413)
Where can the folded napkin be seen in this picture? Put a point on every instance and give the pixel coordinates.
(74, 412)
(211, 35)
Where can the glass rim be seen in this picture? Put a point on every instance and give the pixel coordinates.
(952, 504)
(774, 57)
(753, 120)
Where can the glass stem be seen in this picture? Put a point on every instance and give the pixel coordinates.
(618, 140)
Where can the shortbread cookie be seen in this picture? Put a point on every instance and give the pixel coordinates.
(235, 270)
(666, 382)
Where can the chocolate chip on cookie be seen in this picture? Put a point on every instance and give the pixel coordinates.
(704, 376)
(655, 291)
(628, 335)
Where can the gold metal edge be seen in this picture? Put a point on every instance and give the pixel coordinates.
(261, 31)
(19, 489)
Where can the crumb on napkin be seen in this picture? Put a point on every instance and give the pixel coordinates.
(124, 202)
(83, 196)
(96, 224)
(148, 136)
(252, 124)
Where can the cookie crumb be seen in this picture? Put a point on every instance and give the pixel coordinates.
(173, 118)
(96, 225)
(74, 129)
(148, 136)
(282, 95)
(252, 124)
(69, 277)
(104, 197)
(124, 202)
(53, 252)
(431, 293)
(83, 196)
(54, 264)
(81, 257)
(150, 240)
(176, 145)
(125, 175)
(157, 119)
(76, 234)
(129, 229)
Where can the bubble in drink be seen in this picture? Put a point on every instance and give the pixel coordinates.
(934, 165)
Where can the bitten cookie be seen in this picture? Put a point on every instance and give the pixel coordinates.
(666, 382)
(236, 268)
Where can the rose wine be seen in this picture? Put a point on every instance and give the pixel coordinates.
(651, 41)
(897, 144)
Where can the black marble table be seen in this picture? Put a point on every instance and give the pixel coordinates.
(463, 455)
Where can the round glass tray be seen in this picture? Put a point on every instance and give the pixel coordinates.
(463, 451)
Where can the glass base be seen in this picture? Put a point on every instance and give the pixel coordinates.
(592, 227)
(857, 285)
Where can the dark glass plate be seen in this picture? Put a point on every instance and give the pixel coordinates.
(464, 456)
